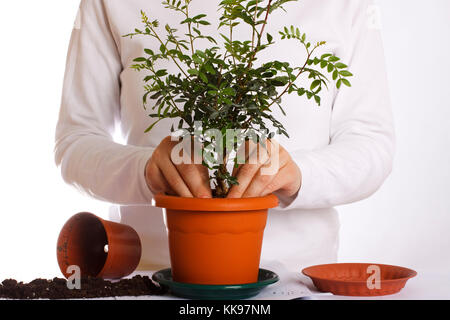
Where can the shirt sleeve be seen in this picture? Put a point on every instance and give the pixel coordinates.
(88, 157)
(362, 140)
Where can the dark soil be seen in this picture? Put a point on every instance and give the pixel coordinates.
(90, 288)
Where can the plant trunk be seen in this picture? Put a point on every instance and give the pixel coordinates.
(222, 187)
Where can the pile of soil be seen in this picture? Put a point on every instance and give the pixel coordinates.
(90, 288)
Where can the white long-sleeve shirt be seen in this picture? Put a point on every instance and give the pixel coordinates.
(344, 148)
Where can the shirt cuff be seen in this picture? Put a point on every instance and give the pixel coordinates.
(144, 156)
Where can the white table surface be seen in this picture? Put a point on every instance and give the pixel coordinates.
(427, 285)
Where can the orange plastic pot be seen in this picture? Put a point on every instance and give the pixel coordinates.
(100, 248)
(215, 241)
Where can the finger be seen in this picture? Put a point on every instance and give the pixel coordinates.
(267, 174)
(258, 184)
(155, 180)
(284, 183)
(165, 186)
(196, 178)
(252, 153)
(174, 179)
(246, 172)
(194, 175)
(244, 177)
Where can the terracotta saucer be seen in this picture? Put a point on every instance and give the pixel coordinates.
(359, 279)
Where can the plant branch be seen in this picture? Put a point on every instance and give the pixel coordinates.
(255, 51)
(191, 40)
(291, 82)
(254, 21)
(155, 34)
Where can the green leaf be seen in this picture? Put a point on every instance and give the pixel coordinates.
(201, 54)
(144, 97)
(334, 59)
(161, 73)
(197, 31)
(315, 84)
(301, 91)
(203, 77)
(317, 98)
(152, 126)
(229, 91)
(197, 59)
(210, 69)
(335, 74)
(330, 67)
(150, 52)
(345, 73)
(346, 82)
(228, 101)
(199, 16)
(340, 65)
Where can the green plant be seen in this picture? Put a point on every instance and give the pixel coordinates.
(223, 87)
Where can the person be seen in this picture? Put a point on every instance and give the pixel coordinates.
(338, 153)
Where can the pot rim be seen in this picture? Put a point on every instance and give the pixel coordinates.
(215, 204)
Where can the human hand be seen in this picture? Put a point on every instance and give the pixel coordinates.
(184, 180)
(284, 179)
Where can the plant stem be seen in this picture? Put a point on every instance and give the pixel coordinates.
(189, 27)
(254, 20)
(152, 69)
(231, 41)
(292, 82)
(222, 187)
(255, 51)
(171, 56)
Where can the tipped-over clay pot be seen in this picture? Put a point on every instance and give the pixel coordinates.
(99, 247)
(215, 241)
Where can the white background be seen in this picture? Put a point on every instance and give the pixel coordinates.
(407, 222)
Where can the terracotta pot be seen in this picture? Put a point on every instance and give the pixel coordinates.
(215, 241)
(99, 247)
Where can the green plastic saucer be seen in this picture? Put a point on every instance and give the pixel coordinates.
(215, 292)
